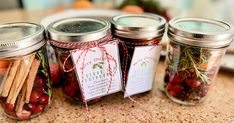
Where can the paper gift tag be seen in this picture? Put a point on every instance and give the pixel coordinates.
(142, 69)
(93, 74)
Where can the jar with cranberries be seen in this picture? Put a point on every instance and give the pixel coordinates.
(25, 86)
(140, 35)
(88, 58)
(194, 53)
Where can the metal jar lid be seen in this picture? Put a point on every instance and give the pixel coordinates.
(20, 38)
(200, 32)
(71, 30)
(138, 26)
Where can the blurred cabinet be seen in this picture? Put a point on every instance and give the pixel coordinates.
(9, 4)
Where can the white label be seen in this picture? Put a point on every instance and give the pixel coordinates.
(92, 71)
(142, 70)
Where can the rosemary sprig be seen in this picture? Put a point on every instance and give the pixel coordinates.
(41, 56)
(199, 74)
(188, 61)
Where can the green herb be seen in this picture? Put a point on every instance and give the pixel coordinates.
(44, 70)
(190, 59)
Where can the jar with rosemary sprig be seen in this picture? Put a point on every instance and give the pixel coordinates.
(194, 53)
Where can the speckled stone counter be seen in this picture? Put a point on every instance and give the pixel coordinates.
(218, 108)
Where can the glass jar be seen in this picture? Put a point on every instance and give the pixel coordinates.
(84, 75)
(25, 88)
(140, 35)
(195, 50)
(55, 72)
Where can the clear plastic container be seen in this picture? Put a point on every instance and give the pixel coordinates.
(25, 88)
(141, 35)
(194, 53)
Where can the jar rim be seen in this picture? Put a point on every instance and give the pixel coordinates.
(20, 38)
(59, 30)
(134, 26)
(200, 32)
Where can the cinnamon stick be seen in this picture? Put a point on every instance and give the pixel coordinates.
(19, 80)
(5, 77)
(31, 78)
(21, 100)
(9, 80)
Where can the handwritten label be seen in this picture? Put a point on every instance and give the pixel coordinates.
(92, 71)
(142, 70)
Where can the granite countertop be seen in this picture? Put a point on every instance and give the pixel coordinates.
(218, 108)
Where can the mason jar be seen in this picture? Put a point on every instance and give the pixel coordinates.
(25, 86)
(83, 47)
(194, 53)
(140, 35)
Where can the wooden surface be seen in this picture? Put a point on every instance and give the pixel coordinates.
(218, 108)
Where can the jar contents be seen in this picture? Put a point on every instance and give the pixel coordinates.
(190, 71)
(194, 53)
(140, 35)
(25, 85)
(88, 58)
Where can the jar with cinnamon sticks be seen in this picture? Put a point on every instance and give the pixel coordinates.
(88, 58)
(25, 86)
(140, 35)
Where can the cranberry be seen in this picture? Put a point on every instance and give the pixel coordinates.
(174, 88)
(29, 106)
(55, 73)
(24, 114)
(205, 89)
(11, 113)
(44, 100)
(35, 96)
(176, 80)
(1, 98)
(9, 107)
(172, 93)
(40, 90)
(38, 109)
(69, 92)
(194, 84)
(71, 89)
(40, 81)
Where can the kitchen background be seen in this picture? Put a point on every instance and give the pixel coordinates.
(55, 9)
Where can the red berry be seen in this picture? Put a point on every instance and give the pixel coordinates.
(173, 88)
(24, 114)
(29, 106)
(40, 82)
(41, 91)
(38, 109)
(171, 93)
(9, 107)
(68, 91)
(176, 80)
(205, 89)
(55, 73)
(71, 89)
(195, 84)
(35, 96)
(44, 100)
